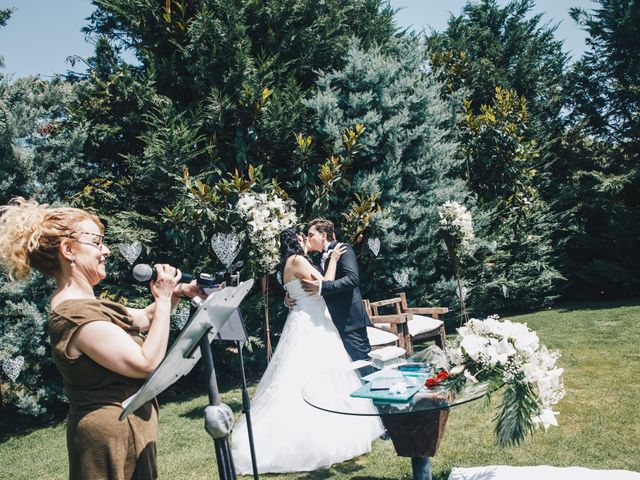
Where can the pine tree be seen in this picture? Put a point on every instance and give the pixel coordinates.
(519, 270)
(488, 48)
(42, 159)
(404, 160)
(603, 145)
(218, 90)
(219, 87)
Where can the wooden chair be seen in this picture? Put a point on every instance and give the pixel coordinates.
(426, 322)
(410, 324)
(395, 323)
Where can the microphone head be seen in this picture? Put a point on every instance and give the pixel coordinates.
(142, 272)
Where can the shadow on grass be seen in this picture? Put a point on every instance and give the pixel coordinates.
(348, 468)
(198, 412)
(564, 306)
(442, 476)
(567, 307)
(185, 396)
(16, 426)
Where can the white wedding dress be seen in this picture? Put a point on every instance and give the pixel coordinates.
(290, 435)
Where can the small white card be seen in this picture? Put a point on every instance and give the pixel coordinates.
(385, 372)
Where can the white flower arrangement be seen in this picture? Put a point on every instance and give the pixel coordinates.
(266, 215)
(509, 354)
(456, 223)
(456, 230)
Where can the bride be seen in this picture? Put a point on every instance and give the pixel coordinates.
(290, 435)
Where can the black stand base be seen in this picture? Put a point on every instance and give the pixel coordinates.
(226, 469)
(246, 409)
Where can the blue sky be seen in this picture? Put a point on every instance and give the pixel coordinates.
(41, 34)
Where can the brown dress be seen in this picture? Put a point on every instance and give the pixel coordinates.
(100, 446)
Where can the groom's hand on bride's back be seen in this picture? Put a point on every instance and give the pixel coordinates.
(311, 286)
(288, 301)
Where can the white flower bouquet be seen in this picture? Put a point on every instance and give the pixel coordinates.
(265, 215)
(456, 224)
(456, 230)
(510, 357)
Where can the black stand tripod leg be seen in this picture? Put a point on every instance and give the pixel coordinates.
(246, 409)
(218, 417)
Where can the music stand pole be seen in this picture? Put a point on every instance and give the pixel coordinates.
(246, 409)
(193, 342)
(226, 469)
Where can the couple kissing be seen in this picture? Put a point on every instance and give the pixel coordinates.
(325, 329)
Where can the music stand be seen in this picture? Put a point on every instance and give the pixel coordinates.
(203, 326)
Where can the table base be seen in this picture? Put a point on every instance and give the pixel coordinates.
(421, 467)
(417, 434)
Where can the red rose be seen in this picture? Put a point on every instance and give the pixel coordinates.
(442, 375)
(431, 382)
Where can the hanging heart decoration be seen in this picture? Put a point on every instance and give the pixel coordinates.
(462, 293)
(402, 278)
(13, 367)
(181, 317)
(374, 245)
(226, 246)
(130, 251)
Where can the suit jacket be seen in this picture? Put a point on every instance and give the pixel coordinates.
(342, 295)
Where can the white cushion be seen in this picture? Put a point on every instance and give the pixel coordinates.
(421, 324)
(502, 472)
(385, 354)
(379, 337)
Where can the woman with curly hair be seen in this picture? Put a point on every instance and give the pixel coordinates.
(103, 350)
(290, 435)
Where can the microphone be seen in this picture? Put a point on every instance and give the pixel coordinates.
(144, 273)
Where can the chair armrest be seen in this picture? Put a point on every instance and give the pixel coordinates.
(395, 318)
(427, 310)
(382, 303)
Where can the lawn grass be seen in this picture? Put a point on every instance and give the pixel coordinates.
(599, 425)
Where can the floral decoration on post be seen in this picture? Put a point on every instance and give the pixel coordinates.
(265, 216)
(510, 357)
(456, 230)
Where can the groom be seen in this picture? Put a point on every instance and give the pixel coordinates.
(341, 295)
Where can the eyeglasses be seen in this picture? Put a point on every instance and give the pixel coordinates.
(98, 244)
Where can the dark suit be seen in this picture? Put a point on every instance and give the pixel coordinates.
(344, 301)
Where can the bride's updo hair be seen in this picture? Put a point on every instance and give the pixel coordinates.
(31, 233)
(289, 245)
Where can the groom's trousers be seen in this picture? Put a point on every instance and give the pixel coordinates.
(356, 342)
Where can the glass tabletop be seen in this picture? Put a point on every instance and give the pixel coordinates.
(332, 391)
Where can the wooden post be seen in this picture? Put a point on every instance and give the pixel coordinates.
(464, 316)
(264, 283)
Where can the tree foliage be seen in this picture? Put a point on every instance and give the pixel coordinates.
(510, 69)
(41, 158)
(403, 161)
(603, 143)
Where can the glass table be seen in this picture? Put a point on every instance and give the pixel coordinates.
(415, 425)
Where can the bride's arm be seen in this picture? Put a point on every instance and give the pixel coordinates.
(333, 261)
